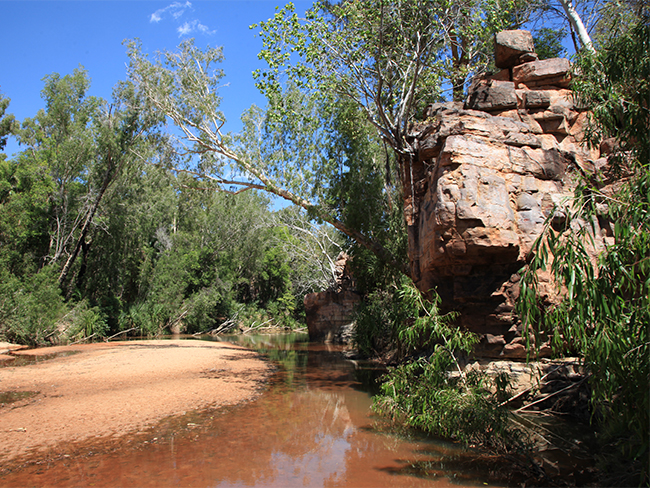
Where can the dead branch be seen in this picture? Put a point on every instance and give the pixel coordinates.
(83, 339)
(552, 395)
(120, 333)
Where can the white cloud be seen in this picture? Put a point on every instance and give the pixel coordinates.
(184, 29)
(193, 26)
(175, 11)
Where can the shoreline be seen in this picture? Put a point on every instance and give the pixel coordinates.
(107, 390)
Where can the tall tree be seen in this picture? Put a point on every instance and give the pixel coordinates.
(84, 144)
(60, 140)
(184, 87)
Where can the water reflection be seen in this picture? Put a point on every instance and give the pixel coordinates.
(311, 427)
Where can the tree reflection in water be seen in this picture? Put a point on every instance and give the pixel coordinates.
(310, 426)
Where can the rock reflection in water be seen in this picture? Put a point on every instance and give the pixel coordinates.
(310, 427)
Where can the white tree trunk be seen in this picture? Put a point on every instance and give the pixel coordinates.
(576, 23)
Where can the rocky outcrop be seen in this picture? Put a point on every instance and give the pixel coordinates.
(488, 174)
(7, 349)
(329, 313)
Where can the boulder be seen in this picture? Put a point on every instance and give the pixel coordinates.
(510, 46)
(536, 98)
(493, 95)
(554, 71)
(328, 313)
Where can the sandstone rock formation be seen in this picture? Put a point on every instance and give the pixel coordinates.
(329, 313)
(513, 47)
(488, 174)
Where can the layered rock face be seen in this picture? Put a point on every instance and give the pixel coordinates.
(329, 313)
(488, 174)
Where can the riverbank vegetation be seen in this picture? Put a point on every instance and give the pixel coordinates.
(139, 215)
(605, 311)
(97, 237)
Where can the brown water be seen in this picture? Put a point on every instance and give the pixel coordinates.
(311, 427)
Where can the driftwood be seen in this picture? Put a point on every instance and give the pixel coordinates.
(546, 397)
(83, 339)
(178, 319)
(528, 390)
(226, 326)
(120, 333)
(257, 327)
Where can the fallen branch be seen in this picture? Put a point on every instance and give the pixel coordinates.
(178, 319)
(120, 333)
(257, 327)
(227, 325)
(528, 390)
(551, 434)
(552, 395)
(83, 339)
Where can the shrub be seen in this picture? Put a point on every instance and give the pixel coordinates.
(205, 309)
(431, 391)
(85, 322)
(30, 307)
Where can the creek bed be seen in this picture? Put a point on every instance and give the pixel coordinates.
(311, 426)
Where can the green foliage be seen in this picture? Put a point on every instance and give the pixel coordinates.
(84, 322)
(548, 43)
(60, 142)
(25, 189)
(363, 176)
(605, 309)
(614, 83)
(617, 16)
(206, 308)
(378, 318)
(8, 124)
(135, 245)
(422, 394)
(432, 393)
(30, 308)
(148, 317)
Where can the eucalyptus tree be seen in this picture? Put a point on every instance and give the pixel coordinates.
(184, 87)
(84, 144)
(59, 139)
(311, 249)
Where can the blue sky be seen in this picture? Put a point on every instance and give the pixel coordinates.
(44, 37)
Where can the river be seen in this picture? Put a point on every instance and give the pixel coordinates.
(311, 426)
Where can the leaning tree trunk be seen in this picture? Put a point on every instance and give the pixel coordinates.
(84, 229)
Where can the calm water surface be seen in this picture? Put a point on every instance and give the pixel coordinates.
(311, 426)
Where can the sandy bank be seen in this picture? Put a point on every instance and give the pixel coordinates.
(103, 390)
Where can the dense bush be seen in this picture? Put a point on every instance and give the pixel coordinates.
(31, 307)
(430, 391)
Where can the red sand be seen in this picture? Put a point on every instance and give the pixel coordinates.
(110, 389)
